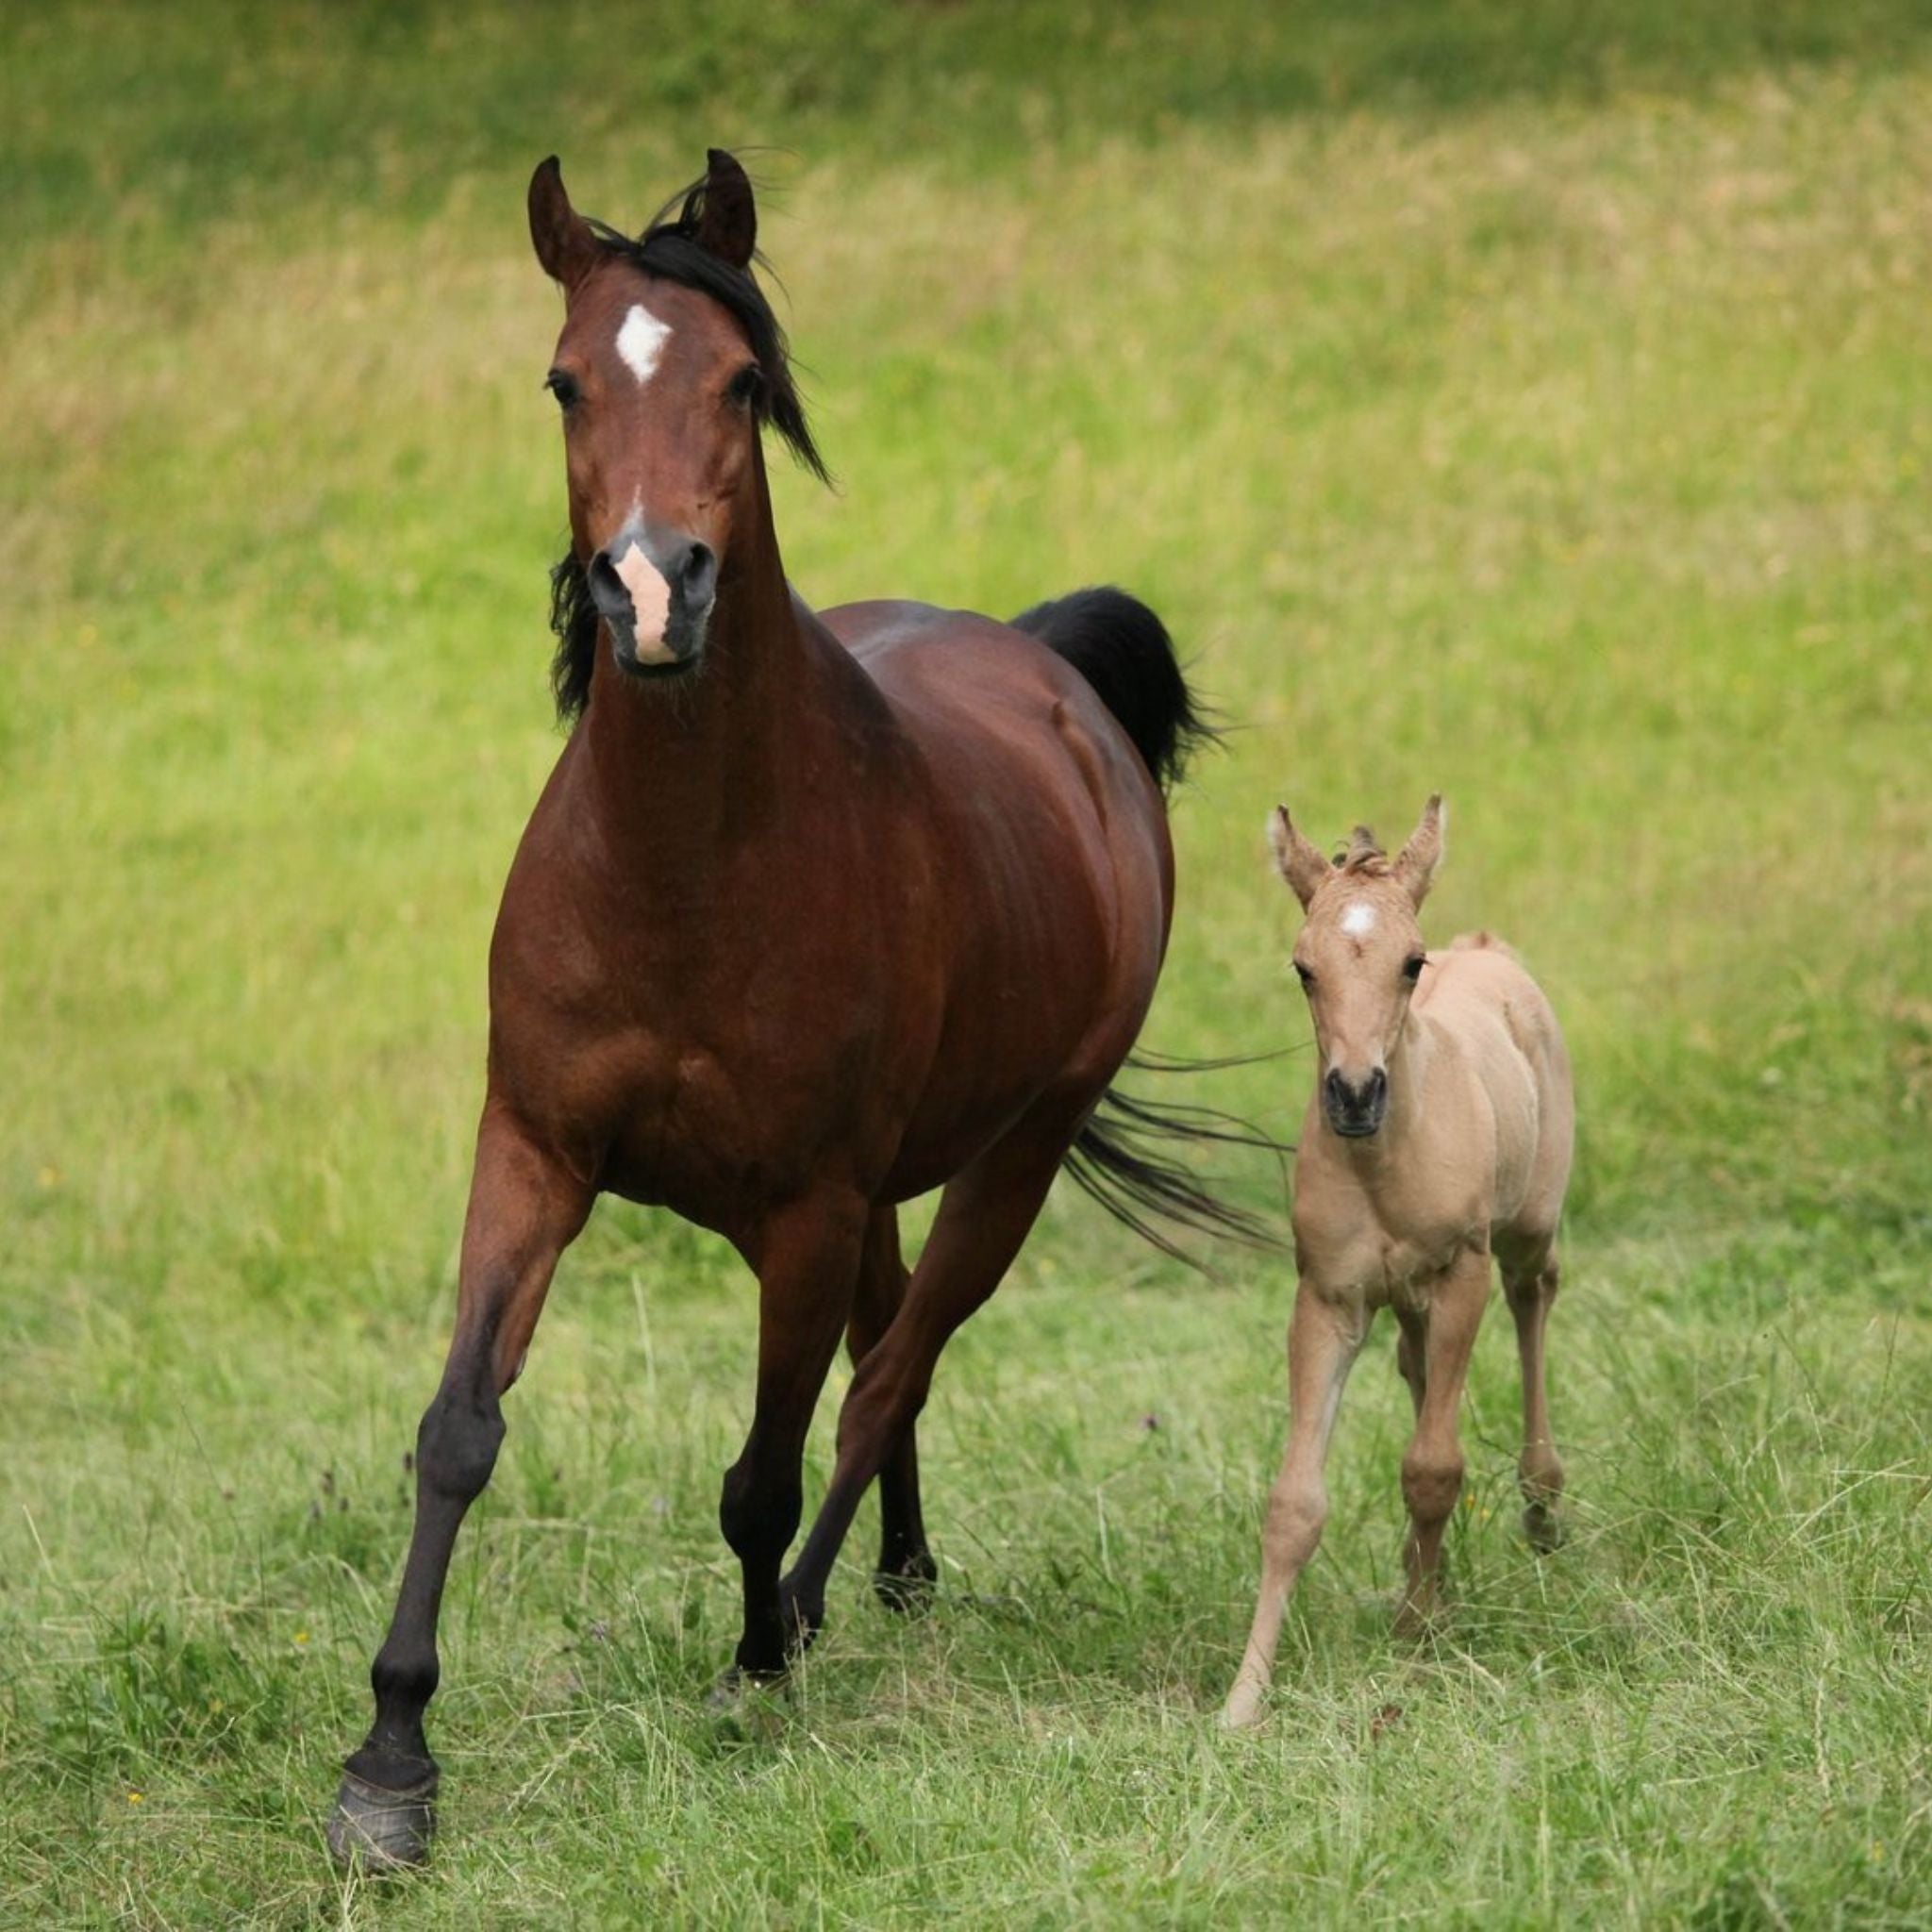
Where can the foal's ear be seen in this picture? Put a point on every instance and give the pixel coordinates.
(1415, 865)
(561, 237)
(1298, 861)
(729, 225)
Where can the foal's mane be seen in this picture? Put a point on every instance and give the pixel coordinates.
(669, 247)
(1363, 858)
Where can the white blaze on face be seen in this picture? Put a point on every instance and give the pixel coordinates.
(1358, 919)
(640, 341)
(650, 597)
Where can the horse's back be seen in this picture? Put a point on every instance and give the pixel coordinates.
(1004, 719)
(1479, 989)
(1048, 837)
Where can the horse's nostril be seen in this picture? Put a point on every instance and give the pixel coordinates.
(697, 573)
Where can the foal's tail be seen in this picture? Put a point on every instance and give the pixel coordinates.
(1119, 1160)
(1124, 651)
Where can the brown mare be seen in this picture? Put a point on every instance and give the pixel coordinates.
(1437, 1136)
(818, 911)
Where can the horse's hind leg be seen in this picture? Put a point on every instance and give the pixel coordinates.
(906, 1570)
(983, 1218)
(1530, 1288)
(522, 1212)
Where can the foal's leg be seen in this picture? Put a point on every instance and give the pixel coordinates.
(1432, 1468)
(808, 1264)
(983, 1218)
(1322, 1343)
(1412, 1354)
(1530, 1290)
(524, 1210)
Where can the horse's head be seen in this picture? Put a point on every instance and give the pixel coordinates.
(669, 362)
(1359, 956)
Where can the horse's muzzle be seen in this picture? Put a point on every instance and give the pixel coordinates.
(654, 594)
(1355, 1111)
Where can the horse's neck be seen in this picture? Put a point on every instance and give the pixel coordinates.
(672, 772)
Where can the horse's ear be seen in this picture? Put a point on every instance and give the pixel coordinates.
(561, 237)
(728, 228)
(1298, 861)
(1415, 865)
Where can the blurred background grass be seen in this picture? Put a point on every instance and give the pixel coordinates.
(1526, 402)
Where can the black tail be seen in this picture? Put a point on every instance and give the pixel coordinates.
(1115, 1159)
(1124, 651)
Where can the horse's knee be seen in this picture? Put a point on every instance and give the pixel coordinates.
(457, 1445)
(1430, 1485)
(759, 1517)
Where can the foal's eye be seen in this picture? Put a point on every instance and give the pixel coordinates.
(1302, 973)
(1412, 967)
(747, 387)
(563, 385)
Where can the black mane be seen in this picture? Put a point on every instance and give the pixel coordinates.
(669, 247)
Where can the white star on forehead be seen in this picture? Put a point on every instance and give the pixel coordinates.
(640, 342)
(1358, 919)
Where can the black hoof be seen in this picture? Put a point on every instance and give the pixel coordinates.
(907, 1588)
(380, 1830)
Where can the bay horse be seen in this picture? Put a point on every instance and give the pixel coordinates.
(818, 911)
(1438, 1134)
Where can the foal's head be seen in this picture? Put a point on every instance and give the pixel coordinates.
(1359, 956)
(670, 362)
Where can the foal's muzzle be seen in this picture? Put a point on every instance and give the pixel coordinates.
(1356, 1112)
(654, 589)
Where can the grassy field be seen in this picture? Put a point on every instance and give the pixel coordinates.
(1524, 402)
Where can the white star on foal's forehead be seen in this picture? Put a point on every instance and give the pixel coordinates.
(640, 341)
(1358, 919)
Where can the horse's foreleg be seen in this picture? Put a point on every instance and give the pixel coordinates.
(1539, 1472)
(524, 1211)
(983, 1218)
(808, 1264)
(1322, 1343)
(1432, 1466)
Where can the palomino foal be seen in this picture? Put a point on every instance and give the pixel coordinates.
(1437, 1134)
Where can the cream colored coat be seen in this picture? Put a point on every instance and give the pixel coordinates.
(1438, 1134)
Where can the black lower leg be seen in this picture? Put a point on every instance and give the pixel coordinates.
(383, 1813)
(906, 1572)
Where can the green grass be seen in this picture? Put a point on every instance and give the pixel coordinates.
(1524, 402)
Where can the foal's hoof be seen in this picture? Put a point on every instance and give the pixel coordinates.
(379, 1831)
(1545, 1529)
(907, 1587)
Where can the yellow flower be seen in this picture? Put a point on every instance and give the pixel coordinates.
(134, 1797)
(301, 1637)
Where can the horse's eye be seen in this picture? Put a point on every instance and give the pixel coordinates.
(1303, 974)
(563, 385)
(1412, 967)
(747, 387)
